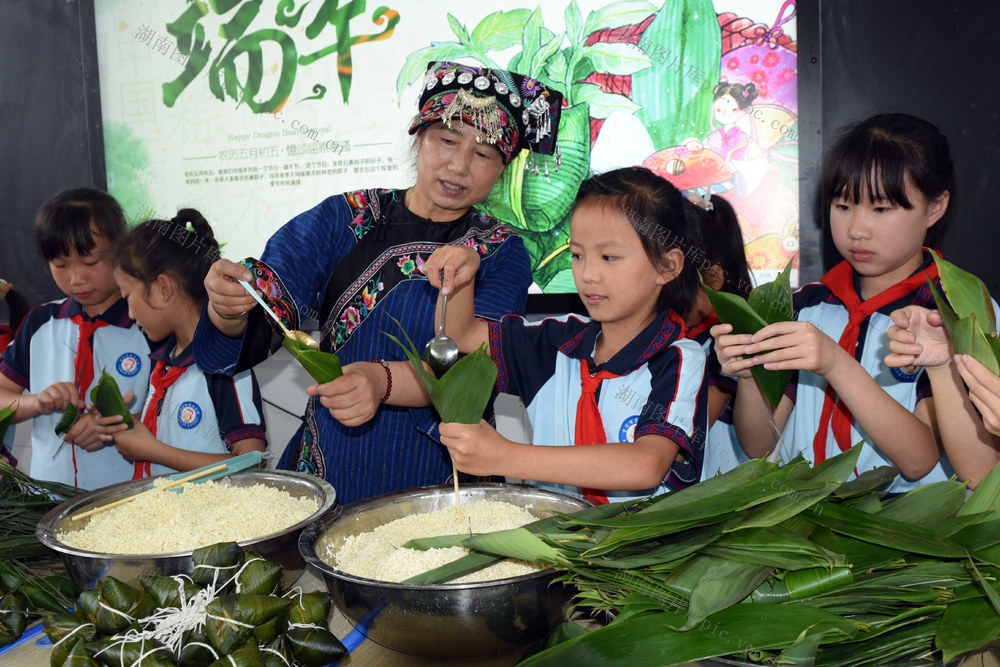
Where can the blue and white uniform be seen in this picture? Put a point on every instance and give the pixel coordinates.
(816, 303)
(660, 391)
(202, 412)
(722, 450)
(43, 352)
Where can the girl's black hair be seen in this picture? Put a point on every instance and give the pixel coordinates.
(723, 238)
(168, 246)
(743, 94)
(661, 216)
(64, 222)
(873, 158)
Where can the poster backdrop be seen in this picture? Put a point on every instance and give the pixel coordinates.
(255, 110)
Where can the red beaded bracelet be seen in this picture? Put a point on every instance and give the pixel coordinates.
(388, 378)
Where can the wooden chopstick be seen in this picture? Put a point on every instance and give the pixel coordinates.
(176, 482)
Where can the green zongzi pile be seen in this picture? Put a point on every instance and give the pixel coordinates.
(231, 611)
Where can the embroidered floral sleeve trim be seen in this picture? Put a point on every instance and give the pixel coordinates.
(267, 281)
(394, 266)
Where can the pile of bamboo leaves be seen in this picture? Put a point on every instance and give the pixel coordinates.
(772, 564)
(32, 581)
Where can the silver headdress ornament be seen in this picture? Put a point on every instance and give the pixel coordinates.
(703, 200)
(483, 112)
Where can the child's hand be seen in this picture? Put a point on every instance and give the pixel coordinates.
(137, 443)
(476, 449)
(109, 427)
(354, 397)
(794, 345)
(729, 348)
(451, 266)
(84, 434)
(984, 390)
(918, 338)
(57, 397)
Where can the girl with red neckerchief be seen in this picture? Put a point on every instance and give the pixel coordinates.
(888, 181)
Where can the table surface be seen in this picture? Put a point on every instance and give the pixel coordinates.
(370, 653)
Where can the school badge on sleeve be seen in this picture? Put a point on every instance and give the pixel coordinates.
(188, 415)
(906, 373)
(627, 431)
(128, 365)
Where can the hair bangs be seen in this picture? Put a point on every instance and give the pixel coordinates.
(868, 167)
(66, 228)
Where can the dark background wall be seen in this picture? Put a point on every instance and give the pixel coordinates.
(50, 138)
(857, 57)
(932, 59)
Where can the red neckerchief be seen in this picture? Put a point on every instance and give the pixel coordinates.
(83, 363)
(710, 321)
(589, 425)
(159, 382)
(840, 282)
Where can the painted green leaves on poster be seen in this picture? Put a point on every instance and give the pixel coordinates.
(683, 38)
(322, 366)
(107, 398)
(768, 303)
(967, 312)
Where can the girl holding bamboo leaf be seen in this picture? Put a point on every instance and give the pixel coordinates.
(627, 383)
(190, 418)
(888, 180)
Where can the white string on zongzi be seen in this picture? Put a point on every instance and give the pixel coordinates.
(73, 632)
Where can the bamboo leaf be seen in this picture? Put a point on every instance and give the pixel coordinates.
(927, 504)
(967, 294)
(807, 583)
(107, 398)
(882, 531)
(441, 542)
(724, 583)
(773, 300)
(986, 497)
(991, 594)
(866, 482)
(462, 393)
(968, 338)
(651, 639)
(734, 310)
(516, 543)
(948, 315)
(322, 366)
(467, 564)
(7, 418)
(69, 417)
(965, 626)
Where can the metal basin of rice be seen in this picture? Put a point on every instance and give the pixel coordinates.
(445, 620)
(87, 568)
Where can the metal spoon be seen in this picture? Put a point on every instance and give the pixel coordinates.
(300, 336)
(441, 352)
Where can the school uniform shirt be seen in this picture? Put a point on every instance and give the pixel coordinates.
(816, 303)
(43, 353)
(202, 412)
(722, 449)
(660, 391)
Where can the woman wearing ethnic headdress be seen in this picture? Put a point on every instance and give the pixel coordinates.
(357, 258)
